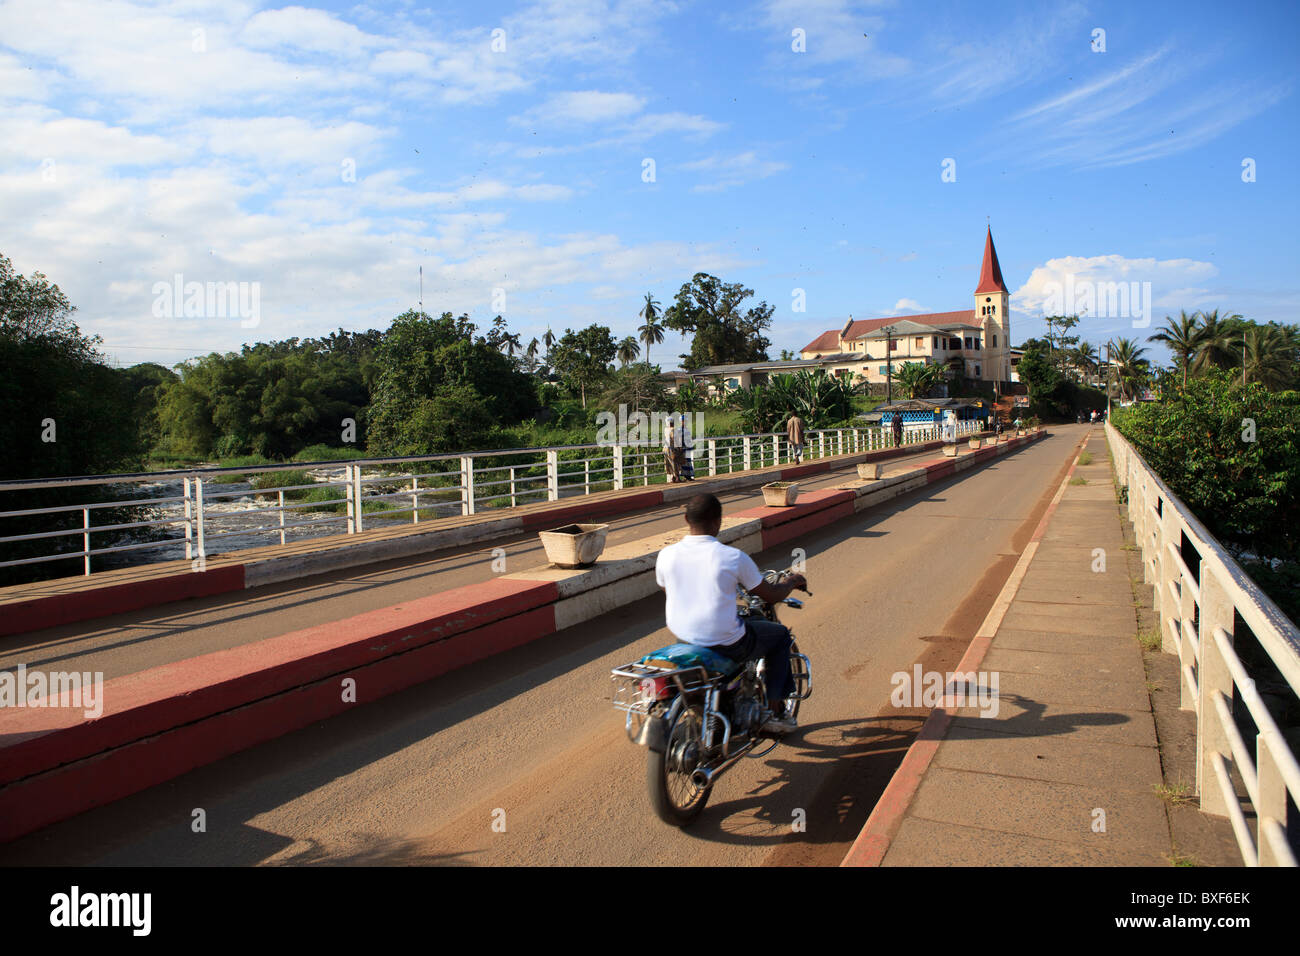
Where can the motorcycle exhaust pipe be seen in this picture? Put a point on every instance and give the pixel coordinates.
(703, 776)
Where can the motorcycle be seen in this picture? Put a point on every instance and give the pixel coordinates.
(698, 712)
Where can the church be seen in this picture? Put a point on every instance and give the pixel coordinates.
(975, 343)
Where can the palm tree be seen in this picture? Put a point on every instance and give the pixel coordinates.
(1269, 355)
(530, 353)
(1085, 357)
(652, 333)
(628, 350)
(1218, 342)
(917, 379)
(549, 341)
(1182, 339)
(1128, 366)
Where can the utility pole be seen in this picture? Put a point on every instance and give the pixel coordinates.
(1108, 371)
(889, 364)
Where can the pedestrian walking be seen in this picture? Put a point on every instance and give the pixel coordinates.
(794, 434)
(897, 423)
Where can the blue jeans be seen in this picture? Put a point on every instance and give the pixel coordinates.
(770, 641)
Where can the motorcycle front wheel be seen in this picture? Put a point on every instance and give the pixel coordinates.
(673, 794)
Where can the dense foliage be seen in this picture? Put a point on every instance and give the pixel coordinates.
(1231, 453)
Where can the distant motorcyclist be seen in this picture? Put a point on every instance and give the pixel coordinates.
(699, 575)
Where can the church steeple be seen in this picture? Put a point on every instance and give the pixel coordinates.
(990, 272)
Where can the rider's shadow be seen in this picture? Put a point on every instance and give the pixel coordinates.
(823, 793)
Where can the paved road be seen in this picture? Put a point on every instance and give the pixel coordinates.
(530, 741)
(131, 642)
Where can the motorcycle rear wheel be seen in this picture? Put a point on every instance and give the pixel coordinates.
(797, 670)
(675, 797)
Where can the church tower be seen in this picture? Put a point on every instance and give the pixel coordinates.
(992, 311)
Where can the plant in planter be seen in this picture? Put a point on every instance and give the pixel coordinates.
(574, 545)
(780, 494)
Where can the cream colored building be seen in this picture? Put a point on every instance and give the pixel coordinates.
(975, 342)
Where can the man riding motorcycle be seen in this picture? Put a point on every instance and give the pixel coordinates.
(699, 575)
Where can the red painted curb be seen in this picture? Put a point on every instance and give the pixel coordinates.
(20, 617)
(149, 702)
(55, 795)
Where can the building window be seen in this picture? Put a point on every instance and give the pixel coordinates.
(977, 371)
(893, 345)
(883, 370)
(935, 342)
(920, 341)
(995, 340)
(968, 345)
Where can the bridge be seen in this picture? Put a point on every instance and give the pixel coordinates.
(477, 727)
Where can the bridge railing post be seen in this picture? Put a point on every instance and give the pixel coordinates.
(552, 475)
(189, 520)
(713, 457)
(745, 457)
(467, 485)
(356, 494)
(776, 449)
(198, 515)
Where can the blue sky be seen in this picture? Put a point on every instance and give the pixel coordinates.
(327, 152)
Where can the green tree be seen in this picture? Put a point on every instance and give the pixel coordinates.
(917, 379)
(651, 332)
(1181, 336)
(582, 358)
(1128, 367)
(628, 351)
(1217, 342)
(429, 367)
(710, 311)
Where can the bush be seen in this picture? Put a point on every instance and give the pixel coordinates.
(1231, 452)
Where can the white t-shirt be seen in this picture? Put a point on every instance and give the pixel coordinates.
(700, 574)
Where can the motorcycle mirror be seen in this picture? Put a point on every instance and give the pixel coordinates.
(793, 602)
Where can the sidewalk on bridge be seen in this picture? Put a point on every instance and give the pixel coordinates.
(1065, 770)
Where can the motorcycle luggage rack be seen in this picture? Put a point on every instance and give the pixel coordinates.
(628, 698)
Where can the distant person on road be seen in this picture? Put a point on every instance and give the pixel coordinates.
(794, 435)
(688, 444)
(897, 423)
(1092, 418)
(674, 454)
(699, 575)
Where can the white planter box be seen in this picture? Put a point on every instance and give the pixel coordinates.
(950, 451)
(974, 443)
(780, 494)
(869, 471)
(574, 545)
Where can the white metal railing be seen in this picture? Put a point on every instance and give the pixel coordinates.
(206, 511)
(1198, 610)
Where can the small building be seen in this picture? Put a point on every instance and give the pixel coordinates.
(928, 412)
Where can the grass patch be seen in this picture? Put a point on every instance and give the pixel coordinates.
(1181, 859)
(326, 453)
(1085, 458)
(1078, 481)
(1175, 794)
(1149, 638)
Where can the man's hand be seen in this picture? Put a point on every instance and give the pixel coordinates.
(776, 593)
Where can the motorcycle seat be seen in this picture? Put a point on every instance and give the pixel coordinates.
(693, 655)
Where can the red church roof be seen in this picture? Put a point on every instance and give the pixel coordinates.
(829, 341)
(990, 272)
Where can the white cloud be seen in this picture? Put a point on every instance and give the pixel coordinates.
(727, 171)
(585, 106)
(907, 305)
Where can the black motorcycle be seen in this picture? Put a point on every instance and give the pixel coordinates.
(698, 712)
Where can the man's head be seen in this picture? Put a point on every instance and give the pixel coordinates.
(704, 515)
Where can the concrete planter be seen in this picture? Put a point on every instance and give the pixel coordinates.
(950, 451)
(574, 545)
(869, 471)
(780, 494)
(974, 443)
